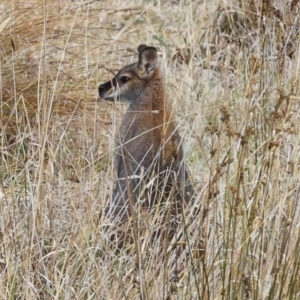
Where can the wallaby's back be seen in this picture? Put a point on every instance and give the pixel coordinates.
(149, 159)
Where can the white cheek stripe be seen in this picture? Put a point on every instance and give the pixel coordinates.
(114, 92)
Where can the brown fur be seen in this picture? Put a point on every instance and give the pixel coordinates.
(149, 159)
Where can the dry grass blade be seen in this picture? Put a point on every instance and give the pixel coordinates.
(232, 72)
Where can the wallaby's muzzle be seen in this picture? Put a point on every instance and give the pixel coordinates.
(106, 90)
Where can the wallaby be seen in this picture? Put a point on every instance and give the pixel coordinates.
(149, 157)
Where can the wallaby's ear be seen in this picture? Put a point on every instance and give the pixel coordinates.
(141, 48)
(148, 61)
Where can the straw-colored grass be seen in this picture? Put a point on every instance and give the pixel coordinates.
(232, 72)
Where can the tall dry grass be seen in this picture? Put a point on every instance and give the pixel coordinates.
(232, 71)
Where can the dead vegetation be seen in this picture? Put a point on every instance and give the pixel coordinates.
(232, 71)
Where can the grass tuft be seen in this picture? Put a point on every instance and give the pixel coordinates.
(232, 72)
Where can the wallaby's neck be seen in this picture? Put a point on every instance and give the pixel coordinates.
(153, 98)
(159, 100)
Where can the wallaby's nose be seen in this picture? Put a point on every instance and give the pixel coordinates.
(101, 90)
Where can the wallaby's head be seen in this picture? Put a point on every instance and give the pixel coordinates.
(131, 81)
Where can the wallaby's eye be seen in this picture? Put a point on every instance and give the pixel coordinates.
(124, 79)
